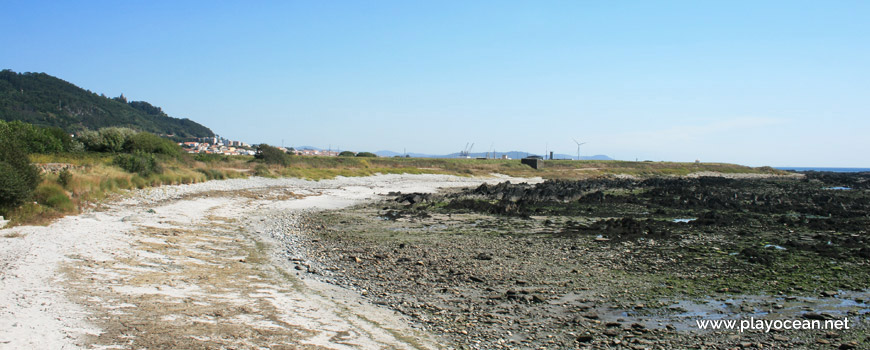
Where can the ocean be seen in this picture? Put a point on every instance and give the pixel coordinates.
(834, 170)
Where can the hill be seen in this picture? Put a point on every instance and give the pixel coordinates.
(44, 100)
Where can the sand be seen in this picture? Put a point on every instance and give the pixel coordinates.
(193, 266)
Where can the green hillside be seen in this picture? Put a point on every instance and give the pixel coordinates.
(44, 100)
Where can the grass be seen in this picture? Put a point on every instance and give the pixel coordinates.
(94, 177)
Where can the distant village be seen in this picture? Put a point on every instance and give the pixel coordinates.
(220, 145)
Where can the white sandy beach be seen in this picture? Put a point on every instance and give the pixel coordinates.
(194, 266)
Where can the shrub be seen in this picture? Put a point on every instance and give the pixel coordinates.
(143, 164)
(366, 154)
(346, 154)
(138, 182)
(210, 157)
(262, 170)
(147, 142)
(213, 174)
(271, 155)
(18, 178)
(30, 138)
(64, 177)
(53, 196)
(106, 139)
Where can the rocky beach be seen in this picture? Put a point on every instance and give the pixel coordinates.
(436, 261)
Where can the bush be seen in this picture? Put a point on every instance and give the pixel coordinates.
(138, 182)
(143, 164)
(18, 178)
(30, 138)
(366, 154)
(212, 174)
(64, 177)
(106, 139)
(262, 170)
(211, 157)
(346, 154)
(271, 155)
(149, 143)
(53, 196)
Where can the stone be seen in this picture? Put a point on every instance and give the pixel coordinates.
(483, 256)
(584, 338)
(848, 346)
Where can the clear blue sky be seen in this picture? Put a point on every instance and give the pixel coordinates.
(782, 83)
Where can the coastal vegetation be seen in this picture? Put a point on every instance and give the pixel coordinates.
(45, 172)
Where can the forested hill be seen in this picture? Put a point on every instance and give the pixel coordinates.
(44, 100)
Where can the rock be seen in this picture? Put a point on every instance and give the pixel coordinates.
(828, 293)
(637, 326)
(483, 256)
(822, 341)
(780, 338)
(848, 346)
(814, 316)
(611, 332)
(584, 338)
(613, 324)
(590, 315)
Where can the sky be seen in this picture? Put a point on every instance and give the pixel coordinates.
(779, 83)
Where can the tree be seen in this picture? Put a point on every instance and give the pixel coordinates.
(18, 177)
(346, 154)
(271, 155)
(366, 154)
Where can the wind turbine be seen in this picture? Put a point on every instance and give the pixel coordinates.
(578, 147)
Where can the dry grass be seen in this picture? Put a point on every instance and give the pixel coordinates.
(94, 177)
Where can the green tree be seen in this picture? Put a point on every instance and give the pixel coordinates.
(149, 143)
(18, 177)
(346, 154)
(366, 154)
(271, 155)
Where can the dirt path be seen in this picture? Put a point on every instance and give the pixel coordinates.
(193, 267)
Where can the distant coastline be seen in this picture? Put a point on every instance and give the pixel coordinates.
(834, 170)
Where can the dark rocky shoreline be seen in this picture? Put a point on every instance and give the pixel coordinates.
(603, 263)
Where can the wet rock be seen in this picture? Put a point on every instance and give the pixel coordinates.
(815, 316)
(590, 315)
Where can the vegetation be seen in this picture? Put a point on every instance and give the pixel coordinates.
(367, 154)
(18, 177)
(90, 167)
(346, 154)
(43, 100)
(140, 163)
(272, 155)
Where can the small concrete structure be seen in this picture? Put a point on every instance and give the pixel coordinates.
(533, 162)
(3, 222)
